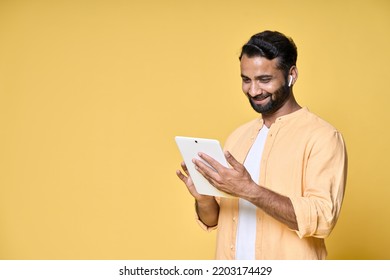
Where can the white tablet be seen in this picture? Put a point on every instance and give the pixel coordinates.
(189, 148)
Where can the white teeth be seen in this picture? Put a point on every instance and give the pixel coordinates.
(260, 97)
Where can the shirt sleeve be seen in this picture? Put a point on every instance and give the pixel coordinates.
(324, 184)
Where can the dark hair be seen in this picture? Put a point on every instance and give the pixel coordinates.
(272, 44)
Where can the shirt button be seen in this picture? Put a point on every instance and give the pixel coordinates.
(231, 247)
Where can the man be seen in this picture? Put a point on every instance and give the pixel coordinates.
(287, 168)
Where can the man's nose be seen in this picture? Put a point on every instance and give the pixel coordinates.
(254, 89)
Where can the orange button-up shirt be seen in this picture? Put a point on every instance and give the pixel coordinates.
(305, 159)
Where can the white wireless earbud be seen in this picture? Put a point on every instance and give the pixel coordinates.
(290, 81)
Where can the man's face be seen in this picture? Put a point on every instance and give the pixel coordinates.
(264, 84)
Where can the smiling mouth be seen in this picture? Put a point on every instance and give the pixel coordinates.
(261, 97)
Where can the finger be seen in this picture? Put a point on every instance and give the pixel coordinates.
(187, 181)
(206, 171)
(211, 161)
(232, 161)
(181, 176)
(184, 166)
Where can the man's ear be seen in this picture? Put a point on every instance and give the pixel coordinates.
(293, 75)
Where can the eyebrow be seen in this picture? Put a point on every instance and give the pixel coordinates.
(261, 77)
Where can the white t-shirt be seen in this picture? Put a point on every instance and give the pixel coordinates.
(246, 230)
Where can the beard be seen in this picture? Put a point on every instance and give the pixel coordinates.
(276, 101)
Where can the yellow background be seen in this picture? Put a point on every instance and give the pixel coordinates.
(92, 94)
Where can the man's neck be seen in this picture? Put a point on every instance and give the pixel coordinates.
(288, 108)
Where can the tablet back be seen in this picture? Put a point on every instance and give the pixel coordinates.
(189, 148)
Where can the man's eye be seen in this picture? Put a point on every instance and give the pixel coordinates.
(246, 81)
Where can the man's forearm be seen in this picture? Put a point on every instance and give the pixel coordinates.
(208, 211)
(278, 206)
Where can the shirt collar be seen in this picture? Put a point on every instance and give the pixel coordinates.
(284, 118)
